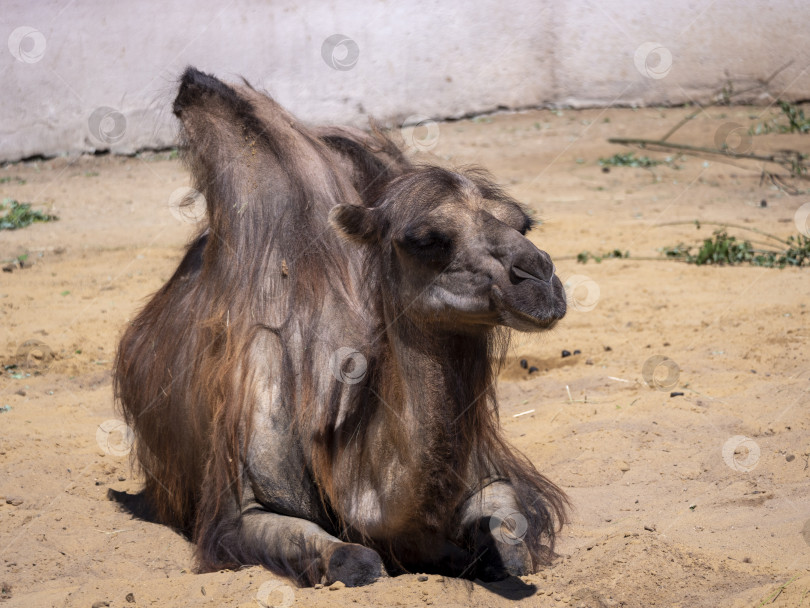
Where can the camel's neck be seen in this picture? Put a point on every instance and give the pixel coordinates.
(438, 375)
(433, 387)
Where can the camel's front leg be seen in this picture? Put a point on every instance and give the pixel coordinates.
(492, 521)
(302, 549)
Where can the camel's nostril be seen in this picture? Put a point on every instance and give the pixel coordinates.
(527, 261)
(518, 275)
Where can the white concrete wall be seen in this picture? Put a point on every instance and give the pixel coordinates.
(100, 74)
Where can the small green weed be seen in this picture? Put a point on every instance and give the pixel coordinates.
(726, 250)
(629, 159)
(20, 215)
(584, 256)
(796, 121)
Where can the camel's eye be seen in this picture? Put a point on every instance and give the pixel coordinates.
(513, 216)
(427, 244)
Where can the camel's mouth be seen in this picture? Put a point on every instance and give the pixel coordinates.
(530, 304)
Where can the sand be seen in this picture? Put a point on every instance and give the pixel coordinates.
(697, 500)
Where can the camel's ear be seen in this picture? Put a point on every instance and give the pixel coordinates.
(355, 222)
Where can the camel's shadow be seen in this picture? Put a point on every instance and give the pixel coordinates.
(510, 588)
(136, 505)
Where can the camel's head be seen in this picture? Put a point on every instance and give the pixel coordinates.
(454, 252)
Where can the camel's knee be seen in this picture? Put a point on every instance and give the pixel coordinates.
(352, 564)
(499, 550)
(492, 522)
(304, 551)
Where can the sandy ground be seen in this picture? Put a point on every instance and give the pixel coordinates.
(667, 512)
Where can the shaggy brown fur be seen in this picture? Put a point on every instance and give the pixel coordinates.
(319, 239)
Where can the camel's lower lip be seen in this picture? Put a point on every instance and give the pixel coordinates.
(539, 323)
(553, 306)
